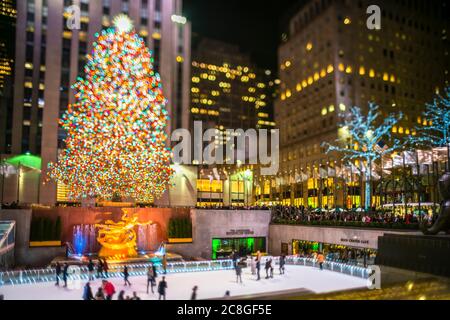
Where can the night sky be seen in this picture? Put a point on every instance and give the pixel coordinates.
(254, 25)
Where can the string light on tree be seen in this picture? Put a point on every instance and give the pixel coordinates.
(116, 139)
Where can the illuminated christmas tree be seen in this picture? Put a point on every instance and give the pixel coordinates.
(116, 139)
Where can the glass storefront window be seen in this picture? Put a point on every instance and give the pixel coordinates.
(223, 248)
(334, 252)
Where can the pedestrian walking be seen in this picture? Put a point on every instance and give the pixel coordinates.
(91, 268)
(282, 263)
(105, 267)
(150, 278)
(258, 268)
(121, 295)
(65, 274)
(126, 275)
(108, 289)
(57, 272)
(99, 268)
(194, 293)
(320, 260)
(162, 286)
(87, 292)
(238, 273)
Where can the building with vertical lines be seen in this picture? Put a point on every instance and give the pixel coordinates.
(330, 61)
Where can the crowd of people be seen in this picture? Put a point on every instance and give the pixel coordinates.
(305, 215)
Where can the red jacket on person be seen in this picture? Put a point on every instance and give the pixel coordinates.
(109, 289)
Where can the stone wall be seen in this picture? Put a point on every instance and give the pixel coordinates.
(209, 224)
(358, 238)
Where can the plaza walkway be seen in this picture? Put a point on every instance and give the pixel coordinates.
(211, 284)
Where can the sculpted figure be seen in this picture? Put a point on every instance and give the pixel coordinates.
(443, 221)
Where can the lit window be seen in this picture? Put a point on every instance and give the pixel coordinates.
(288, 93)
(394, 129)
(304, 84)
(342, 107)
(349, 69)
(310, 80)
(372, 73)
(287, 64)
(179, 59)
(385, 77)
(331, 108)
(392, 78)
(347, 21)
(341, 67)
(323, 73)
(330, 69)
(316, 76)
(362, 71)
(419, 120)
(298, 87)
(400, 130)
(324, 111)
(309, 46)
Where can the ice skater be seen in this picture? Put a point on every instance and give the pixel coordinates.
(194, 293)
(150, 278)
(253, 265)
(282, 263)
(91, 267)
(238, 269)
(126, 275)
(162, 286)
(57, 272)
(65, 274)
(258, 269)
(100, 269)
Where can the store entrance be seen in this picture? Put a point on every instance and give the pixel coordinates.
(223, 248)
(334, 252)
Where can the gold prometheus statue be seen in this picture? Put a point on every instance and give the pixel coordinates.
(118, 239)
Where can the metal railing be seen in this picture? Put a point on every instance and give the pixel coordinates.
(351, 270)
(75, 272)
(8, 239)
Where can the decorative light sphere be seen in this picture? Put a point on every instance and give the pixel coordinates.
(123, 23)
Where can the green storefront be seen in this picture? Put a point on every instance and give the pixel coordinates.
(223, 248)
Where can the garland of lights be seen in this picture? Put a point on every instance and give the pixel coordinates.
(116, 139)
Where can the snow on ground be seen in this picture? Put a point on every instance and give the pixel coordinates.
(212, 284)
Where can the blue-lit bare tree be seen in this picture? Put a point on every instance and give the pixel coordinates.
(437, 133)
(367, 134)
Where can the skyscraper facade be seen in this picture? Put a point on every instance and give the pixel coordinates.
(51, 53)
(7, 29)
(330, 60)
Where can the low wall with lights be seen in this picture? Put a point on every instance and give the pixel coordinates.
(351, 237)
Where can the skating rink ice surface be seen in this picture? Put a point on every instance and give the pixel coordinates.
(211, 284)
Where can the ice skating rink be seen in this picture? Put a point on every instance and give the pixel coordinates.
(211, 284)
